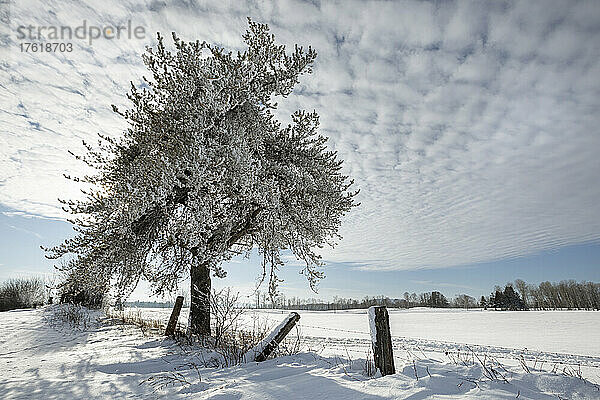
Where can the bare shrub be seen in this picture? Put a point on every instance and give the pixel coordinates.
(71, 316)
(234, 334)
(369, 368)
(165, 380)
(225, 313)
(289, 346)
(146, 325)
(231, 340)
(78, 288)
(491, 368)
(22, 293)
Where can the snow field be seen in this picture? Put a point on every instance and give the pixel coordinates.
(570, 332)
(39, 360)
(550, 340)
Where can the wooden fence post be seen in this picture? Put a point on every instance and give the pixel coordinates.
(381, 338)
(174, 316)
(262, 351)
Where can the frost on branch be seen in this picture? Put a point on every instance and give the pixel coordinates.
(205, 171)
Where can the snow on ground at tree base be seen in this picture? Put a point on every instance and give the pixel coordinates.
(39, 360)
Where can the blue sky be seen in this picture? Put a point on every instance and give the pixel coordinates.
(471, 129)
(20, 256)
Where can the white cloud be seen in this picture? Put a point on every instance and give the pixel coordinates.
(471, 128)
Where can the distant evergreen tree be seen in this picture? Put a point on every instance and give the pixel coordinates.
(506, 299)
(512, 300)
(483, 303)
(497, 299)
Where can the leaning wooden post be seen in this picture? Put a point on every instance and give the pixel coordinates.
(381, 338)
(261, 351)
(174, 316)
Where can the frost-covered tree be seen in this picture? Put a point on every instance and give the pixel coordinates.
(205, 172)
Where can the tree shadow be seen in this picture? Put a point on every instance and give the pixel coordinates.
(84, 379)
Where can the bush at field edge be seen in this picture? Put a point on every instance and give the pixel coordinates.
(22, 293)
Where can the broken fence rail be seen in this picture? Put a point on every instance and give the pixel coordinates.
(265, 347)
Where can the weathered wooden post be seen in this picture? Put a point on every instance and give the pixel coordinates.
(381, 338)
(261, 351)
(174, 316)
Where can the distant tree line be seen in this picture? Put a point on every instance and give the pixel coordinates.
(433, 299)
(149, 304)
(519, 295)
(567, 294)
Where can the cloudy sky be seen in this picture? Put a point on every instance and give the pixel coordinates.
(471, 128)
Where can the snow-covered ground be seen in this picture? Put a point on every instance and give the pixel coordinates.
(575, 332)
(40, 360)
(548, 338)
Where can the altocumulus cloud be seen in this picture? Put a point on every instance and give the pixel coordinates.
(471, 128)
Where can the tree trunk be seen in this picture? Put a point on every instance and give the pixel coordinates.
(200, 299)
